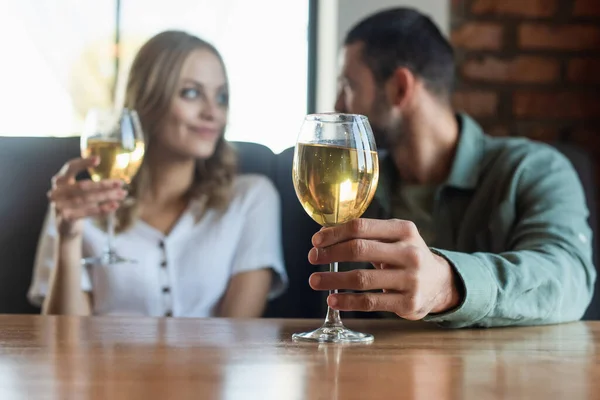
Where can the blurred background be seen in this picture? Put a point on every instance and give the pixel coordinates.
(70, 55)
(526, 67)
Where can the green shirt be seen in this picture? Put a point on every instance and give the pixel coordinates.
(511, 219)
(415, 203)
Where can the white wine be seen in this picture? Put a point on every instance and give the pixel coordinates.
(116, 161)
(334, 184)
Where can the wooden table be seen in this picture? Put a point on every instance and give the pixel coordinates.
(143, 358)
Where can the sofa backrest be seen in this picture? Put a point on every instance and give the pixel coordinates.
(26, 166)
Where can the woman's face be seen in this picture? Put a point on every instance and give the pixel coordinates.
(198, 112)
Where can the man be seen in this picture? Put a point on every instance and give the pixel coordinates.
(499, 233)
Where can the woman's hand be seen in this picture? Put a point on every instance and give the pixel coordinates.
(74, 200)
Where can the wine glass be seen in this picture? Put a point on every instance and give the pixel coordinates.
(116, 137)
(335, 174)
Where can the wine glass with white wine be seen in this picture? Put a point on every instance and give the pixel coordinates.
(116, 137)
(335, 174)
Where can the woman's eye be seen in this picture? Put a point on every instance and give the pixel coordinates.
(190, 93)
(223, 99)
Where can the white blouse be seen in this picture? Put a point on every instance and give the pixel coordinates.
(186, 272)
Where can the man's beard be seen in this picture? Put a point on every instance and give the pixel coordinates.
(385, 132)
(381, 136)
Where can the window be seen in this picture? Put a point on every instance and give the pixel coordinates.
(63, 60)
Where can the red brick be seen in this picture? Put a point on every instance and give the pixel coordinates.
(525, 8)
(551, 105)
(584, 70)
(566, 37)
(522, 69)
(476, 103)
(478, 36)
(586, 8)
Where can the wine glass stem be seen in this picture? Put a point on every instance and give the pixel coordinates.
(110, 232)
(333, 316)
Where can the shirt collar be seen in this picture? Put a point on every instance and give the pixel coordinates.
(469, 153)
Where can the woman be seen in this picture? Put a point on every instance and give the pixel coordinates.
(207, 242)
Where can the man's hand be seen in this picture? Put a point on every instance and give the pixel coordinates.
(415, 282)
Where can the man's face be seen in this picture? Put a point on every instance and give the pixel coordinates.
(359, 93)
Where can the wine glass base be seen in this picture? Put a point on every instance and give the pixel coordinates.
(108, 258)
(333, 334)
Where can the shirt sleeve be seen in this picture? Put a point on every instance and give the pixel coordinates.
(547, 276)
(260, 244)
(45, 260)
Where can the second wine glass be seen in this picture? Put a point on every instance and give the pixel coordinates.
(115, 137)
(335, 174)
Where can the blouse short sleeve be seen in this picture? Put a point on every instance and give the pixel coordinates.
(45, 260)
(259, 243)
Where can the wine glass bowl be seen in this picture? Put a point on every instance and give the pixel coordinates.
(335, 173)
(113, 138)
(116, 161)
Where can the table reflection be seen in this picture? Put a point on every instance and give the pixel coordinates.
(460, 367)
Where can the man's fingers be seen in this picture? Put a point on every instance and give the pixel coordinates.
(360, 250)
(367, 302)
(371, 229)
(403, 304)
(387, 255)
(364, 279)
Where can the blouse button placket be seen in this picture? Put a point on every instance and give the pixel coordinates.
(165, 288)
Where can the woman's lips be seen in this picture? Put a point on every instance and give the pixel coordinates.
(204, 132)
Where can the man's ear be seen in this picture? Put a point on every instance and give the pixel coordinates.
(400, 87)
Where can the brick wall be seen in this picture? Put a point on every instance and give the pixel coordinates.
(530, 68)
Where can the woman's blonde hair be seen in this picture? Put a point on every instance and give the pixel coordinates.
(153, 82)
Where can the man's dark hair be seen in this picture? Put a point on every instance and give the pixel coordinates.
(403, 37)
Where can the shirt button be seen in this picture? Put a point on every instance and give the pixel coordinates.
(161, 244)
(169, 314)
(163, 264)
(166, 289)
